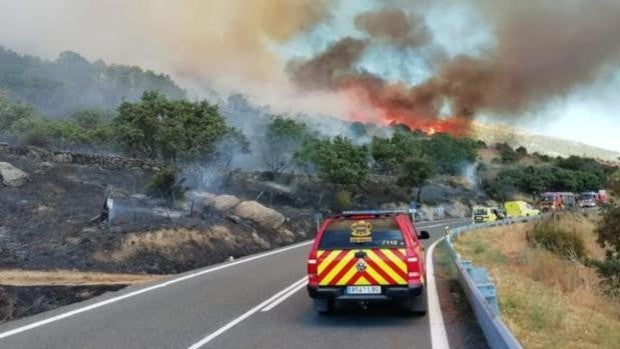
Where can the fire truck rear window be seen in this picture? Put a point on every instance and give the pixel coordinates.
(350, 234)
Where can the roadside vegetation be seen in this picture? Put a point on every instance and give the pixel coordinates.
(534, 174)
(550, 295)
(127, 111)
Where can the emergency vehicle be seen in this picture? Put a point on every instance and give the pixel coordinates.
(588, 199)
(482, 214)
(520, 209)
(368, 256)
(550, 202)
(602, 198)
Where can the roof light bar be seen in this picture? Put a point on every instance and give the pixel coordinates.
(378, 212)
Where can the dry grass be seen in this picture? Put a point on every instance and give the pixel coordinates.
(547, 302)
(18, 277)
(166, 242)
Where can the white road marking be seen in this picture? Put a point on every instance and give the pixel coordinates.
(145, 290)
(246, 315)
(439, 338)
(276, 302)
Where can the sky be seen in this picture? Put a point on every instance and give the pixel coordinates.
(249, 46)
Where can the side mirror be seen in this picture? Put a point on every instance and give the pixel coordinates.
(424, 235)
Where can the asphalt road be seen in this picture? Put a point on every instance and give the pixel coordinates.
(259, 301)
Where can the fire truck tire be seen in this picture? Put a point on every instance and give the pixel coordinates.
(418, 305)
(324, 306)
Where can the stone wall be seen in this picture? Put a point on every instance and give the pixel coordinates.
(104, 161)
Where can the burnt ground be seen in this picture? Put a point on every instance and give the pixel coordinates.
(48, 223)
(461, 326)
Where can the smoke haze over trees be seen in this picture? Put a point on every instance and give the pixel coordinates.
(70, 83)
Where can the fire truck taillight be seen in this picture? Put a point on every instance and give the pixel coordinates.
(413, 269)
(312, 271)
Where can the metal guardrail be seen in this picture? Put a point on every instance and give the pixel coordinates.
(480, 290)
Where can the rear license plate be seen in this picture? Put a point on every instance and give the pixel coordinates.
(363, 290)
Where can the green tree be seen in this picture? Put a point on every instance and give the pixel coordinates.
(416, 172)
(448, 153)
(337, 161)
(508, 154)
(11, 113)
(283, 136)
(159, 128)
(390, 153)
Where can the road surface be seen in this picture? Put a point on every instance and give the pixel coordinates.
(258, 301)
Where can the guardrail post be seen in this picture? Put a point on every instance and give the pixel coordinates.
(484, 285)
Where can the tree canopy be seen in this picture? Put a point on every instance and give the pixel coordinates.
(337, 160)
(283, 137)
(159, 128)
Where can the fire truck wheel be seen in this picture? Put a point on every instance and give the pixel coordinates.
(418, 305)
(324, 306)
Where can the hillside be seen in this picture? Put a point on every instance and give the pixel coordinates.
(492, 133)
(60, 87)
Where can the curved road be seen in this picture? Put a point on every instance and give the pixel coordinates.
(258, 301)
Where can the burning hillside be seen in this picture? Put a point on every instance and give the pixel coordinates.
(533, 60)
(432, 65)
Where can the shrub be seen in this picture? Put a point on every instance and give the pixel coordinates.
(609, 270)
(608, 232)
(342, 200)
(164, 185)
(563, 243)
(35, 137)
(507, 153)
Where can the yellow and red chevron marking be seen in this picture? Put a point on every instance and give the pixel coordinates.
(383, 267)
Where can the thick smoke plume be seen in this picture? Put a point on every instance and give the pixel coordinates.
(538, 50)
(543, 50)
(394, 25)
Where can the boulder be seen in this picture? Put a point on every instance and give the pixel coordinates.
(260, 241)
(38, 154)
(286, 235)
(63, 157)
(263, 216)
(12, 176)
(223, 203)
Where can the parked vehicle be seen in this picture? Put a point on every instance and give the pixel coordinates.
(550, 201)
(588, 199)
(602, 197)
(482, 214)
(569, 200)
(520, 209)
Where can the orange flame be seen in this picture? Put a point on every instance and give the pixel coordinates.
(390, 104)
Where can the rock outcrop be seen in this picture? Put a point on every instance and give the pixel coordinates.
(12, 176)
(263, 216)
(223, 203)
